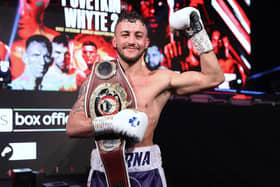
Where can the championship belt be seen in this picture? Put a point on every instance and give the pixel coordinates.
(109, 92)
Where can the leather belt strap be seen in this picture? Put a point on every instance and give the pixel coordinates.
(114, 164)
(109, 92)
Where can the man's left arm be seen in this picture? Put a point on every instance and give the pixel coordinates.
(211, 75)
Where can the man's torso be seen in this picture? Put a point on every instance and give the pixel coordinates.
(151, 95)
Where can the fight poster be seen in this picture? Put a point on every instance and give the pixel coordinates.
(80, 33)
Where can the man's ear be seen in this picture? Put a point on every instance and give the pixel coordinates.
(114, 43)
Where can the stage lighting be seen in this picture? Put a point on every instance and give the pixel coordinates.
(5, 74)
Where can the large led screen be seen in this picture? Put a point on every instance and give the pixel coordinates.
(39, 83)
(75, 34)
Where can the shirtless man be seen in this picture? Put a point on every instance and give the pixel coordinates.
(152, 90)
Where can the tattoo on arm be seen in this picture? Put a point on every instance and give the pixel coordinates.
(79, 106)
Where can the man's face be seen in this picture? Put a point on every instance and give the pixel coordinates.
(37, 57)
(89, 53)
(32, 13)
(154, 56)
(59, 52)
(131, 40)
(216, 41)
(155, 13)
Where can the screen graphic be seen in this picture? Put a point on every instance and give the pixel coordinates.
(48, 48)
(52, 45)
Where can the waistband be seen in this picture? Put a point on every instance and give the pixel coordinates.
(137, 159)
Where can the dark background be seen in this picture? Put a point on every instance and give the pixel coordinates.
(203, 144)
(219, 145)
(209, 144)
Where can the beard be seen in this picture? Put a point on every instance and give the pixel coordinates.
(130, 60)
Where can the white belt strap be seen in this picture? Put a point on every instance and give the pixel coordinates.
(137, 159)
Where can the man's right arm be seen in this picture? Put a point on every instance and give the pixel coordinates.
(78, 124)
(128, 123)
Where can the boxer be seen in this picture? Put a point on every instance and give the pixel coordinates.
(152, 90)
(111, 102)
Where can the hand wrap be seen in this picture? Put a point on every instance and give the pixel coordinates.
(188, 20)
(128, 123)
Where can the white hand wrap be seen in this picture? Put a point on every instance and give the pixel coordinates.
(189, 20)
(201, 42)
(128, 123)
(103, 125)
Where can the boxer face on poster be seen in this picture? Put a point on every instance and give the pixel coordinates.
(37, 57)
(154, 12)
(154, 56)
(31, 16)
(59, 54)
(131, 40)
(89, 53)
(216, 41)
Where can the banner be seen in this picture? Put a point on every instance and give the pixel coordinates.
(80, 33)
(33, 119)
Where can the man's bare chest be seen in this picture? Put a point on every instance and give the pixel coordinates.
(146, 94)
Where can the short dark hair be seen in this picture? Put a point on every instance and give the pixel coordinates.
(61, 39)
(40, 39)
(132, 17)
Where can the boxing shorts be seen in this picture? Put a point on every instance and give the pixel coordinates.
(144, 168)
